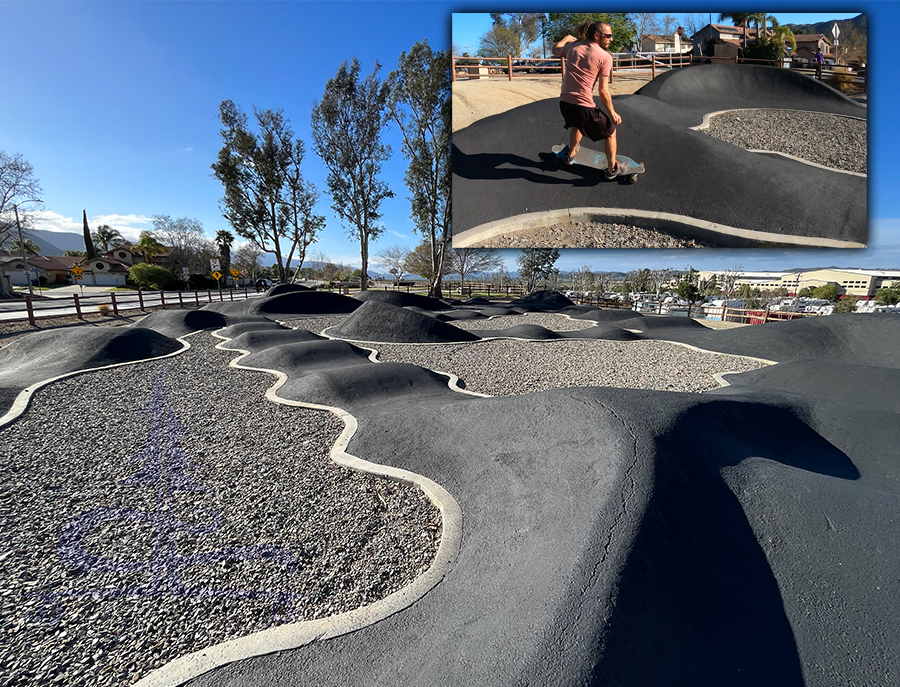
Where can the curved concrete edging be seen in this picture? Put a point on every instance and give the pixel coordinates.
(24, 397)
(725, 236)
(295, 635)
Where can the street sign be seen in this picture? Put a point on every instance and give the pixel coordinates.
(77, 270)
(214, 264)
(79, 277)
(186, 272)
(835, 31)
(235, 272)
(217, 275)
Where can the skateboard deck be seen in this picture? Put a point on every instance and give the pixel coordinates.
(592, 158)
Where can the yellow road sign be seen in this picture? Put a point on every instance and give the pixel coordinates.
(217, 275)
(77, 270)
(79, 277)
(235, 272)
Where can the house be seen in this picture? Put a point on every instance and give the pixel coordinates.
(730, 34)
(809, 43)
(44, 268)
(656, 43)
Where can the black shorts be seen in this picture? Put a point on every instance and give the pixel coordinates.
(591, 121)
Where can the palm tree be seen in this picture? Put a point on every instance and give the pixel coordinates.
(107, 237)
(147, 246)
(783, 33)
(224, 239)
(738, 18)
(30, 246)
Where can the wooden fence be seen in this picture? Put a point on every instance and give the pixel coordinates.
(118, 302)
(520, 67)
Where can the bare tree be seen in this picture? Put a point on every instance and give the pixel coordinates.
(184, 237)
(583, 279)
(468, 261)
(693, 23)
(728, 280)
(667, 25)
(394, 259)
(347, 126)
(645, 24)
(17, 185)
(659, 278)
(246, 257)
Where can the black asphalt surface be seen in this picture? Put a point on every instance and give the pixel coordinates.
(744, 536)
(502, 165)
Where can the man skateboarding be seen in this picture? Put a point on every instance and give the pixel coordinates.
(588, 62)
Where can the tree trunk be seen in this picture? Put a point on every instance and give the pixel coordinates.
(364, 258)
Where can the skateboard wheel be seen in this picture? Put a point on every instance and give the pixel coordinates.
(632, 178)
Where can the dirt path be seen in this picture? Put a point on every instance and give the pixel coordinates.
(478, 98)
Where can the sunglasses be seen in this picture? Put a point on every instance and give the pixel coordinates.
(606, 35)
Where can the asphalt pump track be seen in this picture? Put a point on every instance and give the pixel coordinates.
(743, 536)
(505, 178)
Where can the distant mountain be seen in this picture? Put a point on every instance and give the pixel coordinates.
(55, 242)
(857, 23)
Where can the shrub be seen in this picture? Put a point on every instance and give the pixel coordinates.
(709, 49)
(103, 309)
(765, 49)
(147, 276)
(842, 79)
(846, 304)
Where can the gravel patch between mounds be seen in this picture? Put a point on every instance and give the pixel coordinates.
(506, 367)
(280, 532)
(593, 235)
(316, 325)
(825, 139)
(551, 321)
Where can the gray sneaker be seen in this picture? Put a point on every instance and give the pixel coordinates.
(617, 171)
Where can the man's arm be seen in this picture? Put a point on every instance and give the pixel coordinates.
(558, 48)
(606, 99)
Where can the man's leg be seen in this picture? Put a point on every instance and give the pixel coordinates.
(574, 141)
(610, 146)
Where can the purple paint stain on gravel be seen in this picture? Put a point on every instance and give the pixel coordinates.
(164, 467)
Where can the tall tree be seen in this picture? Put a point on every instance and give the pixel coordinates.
(107, 238)
(741, 19)
(419, 262)
(17, 185)
(525, 26)
(537, 265)
(88, 240)
(266, 198)
(247, 258)
(563, 23)
(468, 261)
(30, 246)
(347, 125)
(419, 103)
(147, 246)
(184, 238)
(645, 24)
(500, 41)
(224, 239)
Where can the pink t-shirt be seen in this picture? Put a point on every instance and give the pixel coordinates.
(584, 61)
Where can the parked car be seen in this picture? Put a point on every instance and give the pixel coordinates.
(263, 284)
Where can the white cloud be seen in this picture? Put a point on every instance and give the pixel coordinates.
(396, 233)
(189, 150)
(130, 226)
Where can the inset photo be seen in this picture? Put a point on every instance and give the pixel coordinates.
(653, 130)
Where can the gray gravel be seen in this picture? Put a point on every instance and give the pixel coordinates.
(593, 235)
(316, 539)
(507, 367)
(826, 139)
(551, 321)
(316, 325)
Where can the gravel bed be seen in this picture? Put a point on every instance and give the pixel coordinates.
(278, 532)
(505, 367)
(553, 322)
(316, 325)
(594, 235)
(826, 139)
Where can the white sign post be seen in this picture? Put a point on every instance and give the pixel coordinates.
(835, 31)
(214, 264)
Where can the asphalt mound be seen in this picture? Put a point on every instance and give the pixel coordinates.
(249, 324)
(43, 355)
(501, 310)
(304, 303)
(175, 323)
(543, 300)
(279, 289)
(599, 315)
(376, 320)
(532, 332)
(402, 300)
(259, 339)
(714, 87)
(460, 315)
(301, 358)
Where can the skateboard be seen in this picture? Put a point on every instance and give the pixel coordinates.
(592, 158)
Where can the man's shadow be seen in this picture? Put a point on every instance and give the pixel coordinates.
(698, 603)
(545, 168)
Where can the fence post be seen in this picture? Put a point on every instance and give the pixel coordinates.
(30, 308)
(453, 69)
(141, 299)
(231, 294)
(77, 307)
(115, 306)
(162, 299)
(197, 298)
(652, 67)
(208, 296)
(509, 65)
(180, 299)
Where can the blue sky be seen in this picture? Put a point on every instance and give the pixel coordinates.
(115, 105)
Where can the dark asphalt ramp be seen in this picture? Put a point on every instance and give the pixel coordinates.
(498, 173)
(502, 166)
(42, 355)
(376, 320)
(698, 91)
